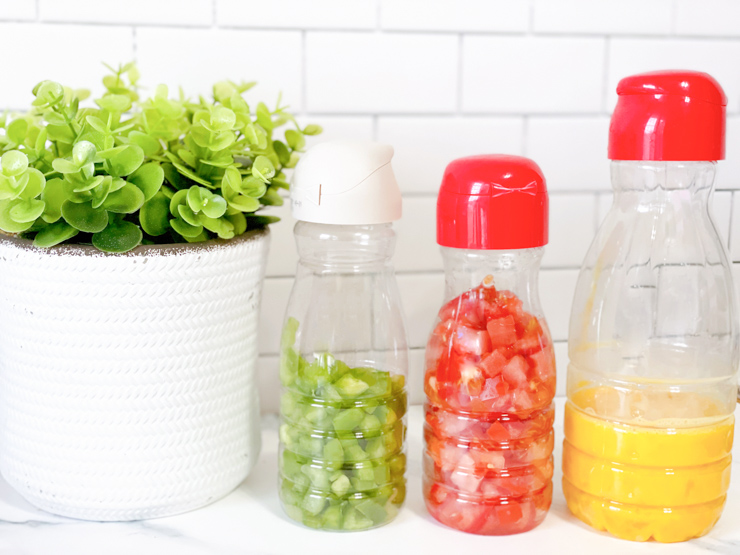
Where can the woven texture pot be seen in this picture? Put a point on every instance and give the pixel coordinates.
(127, 387)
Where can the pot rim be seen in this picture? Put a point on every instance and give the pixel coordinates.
(172, 249)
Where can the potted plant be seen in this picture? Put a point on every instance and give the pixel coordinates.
(130, 274)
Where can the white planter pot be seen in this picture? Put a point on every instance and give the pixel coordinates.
(127, 387)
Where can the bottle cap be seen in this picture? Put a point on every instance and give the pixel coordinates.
(346, 183)
(669, 116)
(492, 201)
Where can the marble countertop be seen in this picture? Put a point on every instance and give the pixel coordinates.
(250, 520)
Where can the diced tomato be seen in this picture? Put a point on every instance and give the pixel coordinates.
(470, 341)
(515, 372)
(437, 494)
(472, 380)
(497, 432)
(493, 364)
(490, 460)
(466, 481)
(509, 514)
(502, 331)
(448, 369)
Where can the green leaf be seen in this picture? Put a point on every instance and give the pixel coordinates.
(215, 207)
(40, 143)
(222, 118)
(148, 178)
(264, 118)
(187, 157)
(313, 129)
(54, 234)
(97, 124)
(154, 215)
(272, 198)
(282, 152)
(118, 237)
(232, 179)
(295, 139)
(241, 202)
(114, 103)
(53, 196)
(126, 200)
(221, 140)
(90, 184)
(84, 217)
(27, 210)
(180, 197)
(187, 214)
(185, 229)
(35, 184)
(252, 187)
(191, 175)
(83, 153)
(238, 221)
(64, 166)
(125, 162)
(263, 168)
(173, 177)
(100, 193)
(14, 163)
(17, 131)
(7, 223)
(148, 144)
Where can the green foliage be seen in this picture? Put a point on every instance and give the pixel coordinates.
(128, 170)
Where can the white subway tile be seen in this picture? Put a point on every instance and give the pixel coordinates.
(572, 151)
(339, 127)
(371, 72)
(82, 47)
(422, 296)
(282, 257)
(561, 365)
(300, 14)
(532, 74)
(571, 230)
(416, 247)
(18, 9)
(185, 57)
(721, 211)
(146, 12)
(728, 170)
(461, 15)
(708, 17)
(716, 57)
(652, 17)
(557, 288)
(425, 145)
(275, 293)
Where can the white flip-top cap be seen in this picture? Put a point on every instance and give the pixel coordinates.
(346, 182)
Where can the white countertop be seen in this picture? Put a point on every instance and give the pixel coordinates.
(250, 520)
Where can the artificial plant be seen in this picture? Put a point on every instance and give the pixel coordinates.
(129, 171)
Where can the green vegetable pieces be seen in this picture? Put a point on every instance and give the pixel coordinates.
(342, 431)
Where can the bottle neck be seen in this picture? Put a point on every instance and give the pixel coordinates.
(512, 270)
(656, 176)
(344, 248)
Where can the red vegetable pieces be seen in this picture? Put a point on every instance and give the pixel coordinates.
(490, 381)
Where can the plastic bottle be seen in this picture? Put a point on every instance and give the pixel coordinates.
(490, 368)
(653, 339)
(343, 353)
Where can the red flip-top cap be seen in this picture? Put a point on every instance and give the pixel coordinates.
(668, 115)
(492, 202)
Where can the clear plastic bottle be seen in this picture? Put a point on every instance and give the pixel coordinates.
(653, 340)
(490, 368)
(344, 356)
